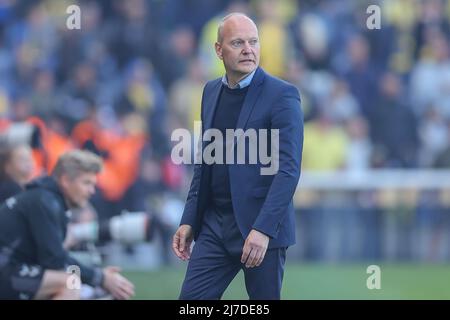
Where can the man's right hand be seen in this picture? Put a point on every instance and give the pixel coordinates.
(182, 241)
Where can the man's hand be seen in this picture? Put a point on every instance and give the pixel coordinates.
(255, 248)
(116, 284)
(70, 240)
(182, 241)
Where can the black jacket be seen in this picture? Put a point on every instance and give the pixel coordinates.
(8, 188)
(33, 225)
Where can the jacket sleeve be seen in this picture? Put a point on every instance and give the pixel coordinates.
(47, 230)
(288, 118)
(190, 209)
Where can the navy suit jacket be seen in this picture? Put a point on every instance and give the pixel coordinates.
(261, 202)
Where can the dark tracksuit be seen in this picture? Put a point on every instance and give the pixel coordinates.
(33, 226)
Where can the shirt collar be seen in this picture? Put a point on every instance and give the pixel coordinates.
(241, 84)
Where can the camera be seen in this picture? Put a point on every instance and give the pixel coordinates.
(126, 228)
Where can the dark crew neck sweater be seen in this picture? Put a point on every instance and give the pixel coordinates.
(226, 116)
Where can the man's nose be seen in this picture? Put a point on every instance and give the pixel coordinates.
(247, 48)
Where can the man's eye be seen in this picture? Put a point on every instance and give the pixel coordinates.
(236, 43)
(253, 42)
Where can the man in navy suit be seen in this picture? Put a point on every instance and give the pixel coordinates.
(239, 217)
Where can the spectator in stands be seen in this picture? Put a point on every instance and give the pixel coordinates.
(433, 136)
(325, 145)
(185, 97)
(361, 76)
(359, 148)
(430, 78)
(16, 167)
(394, 125)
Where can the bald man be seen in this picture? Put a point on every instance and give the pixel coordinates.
(239, 217)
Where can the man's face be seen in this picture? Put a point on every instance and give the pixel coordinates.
(239, 48)
(20, 166)
(78, 190)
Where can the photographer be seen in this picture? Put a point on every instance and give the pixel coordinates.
(33, 225)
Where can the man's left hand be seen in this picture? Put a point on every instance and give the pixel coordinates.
(255, 248)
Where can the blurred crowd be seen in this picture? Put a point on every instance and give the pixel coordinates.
(135, 71)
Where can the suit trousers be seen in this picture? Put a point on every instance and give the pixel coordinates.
(216, 259)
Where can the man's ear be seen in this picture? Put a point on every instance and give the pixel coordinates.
(218, 48)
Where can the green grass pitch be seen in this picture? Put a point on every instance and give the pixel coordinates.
(318, 281)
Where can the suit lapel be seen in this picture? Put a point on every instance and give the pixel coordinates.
(252, 95)
(250, 99)
(212, 104)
